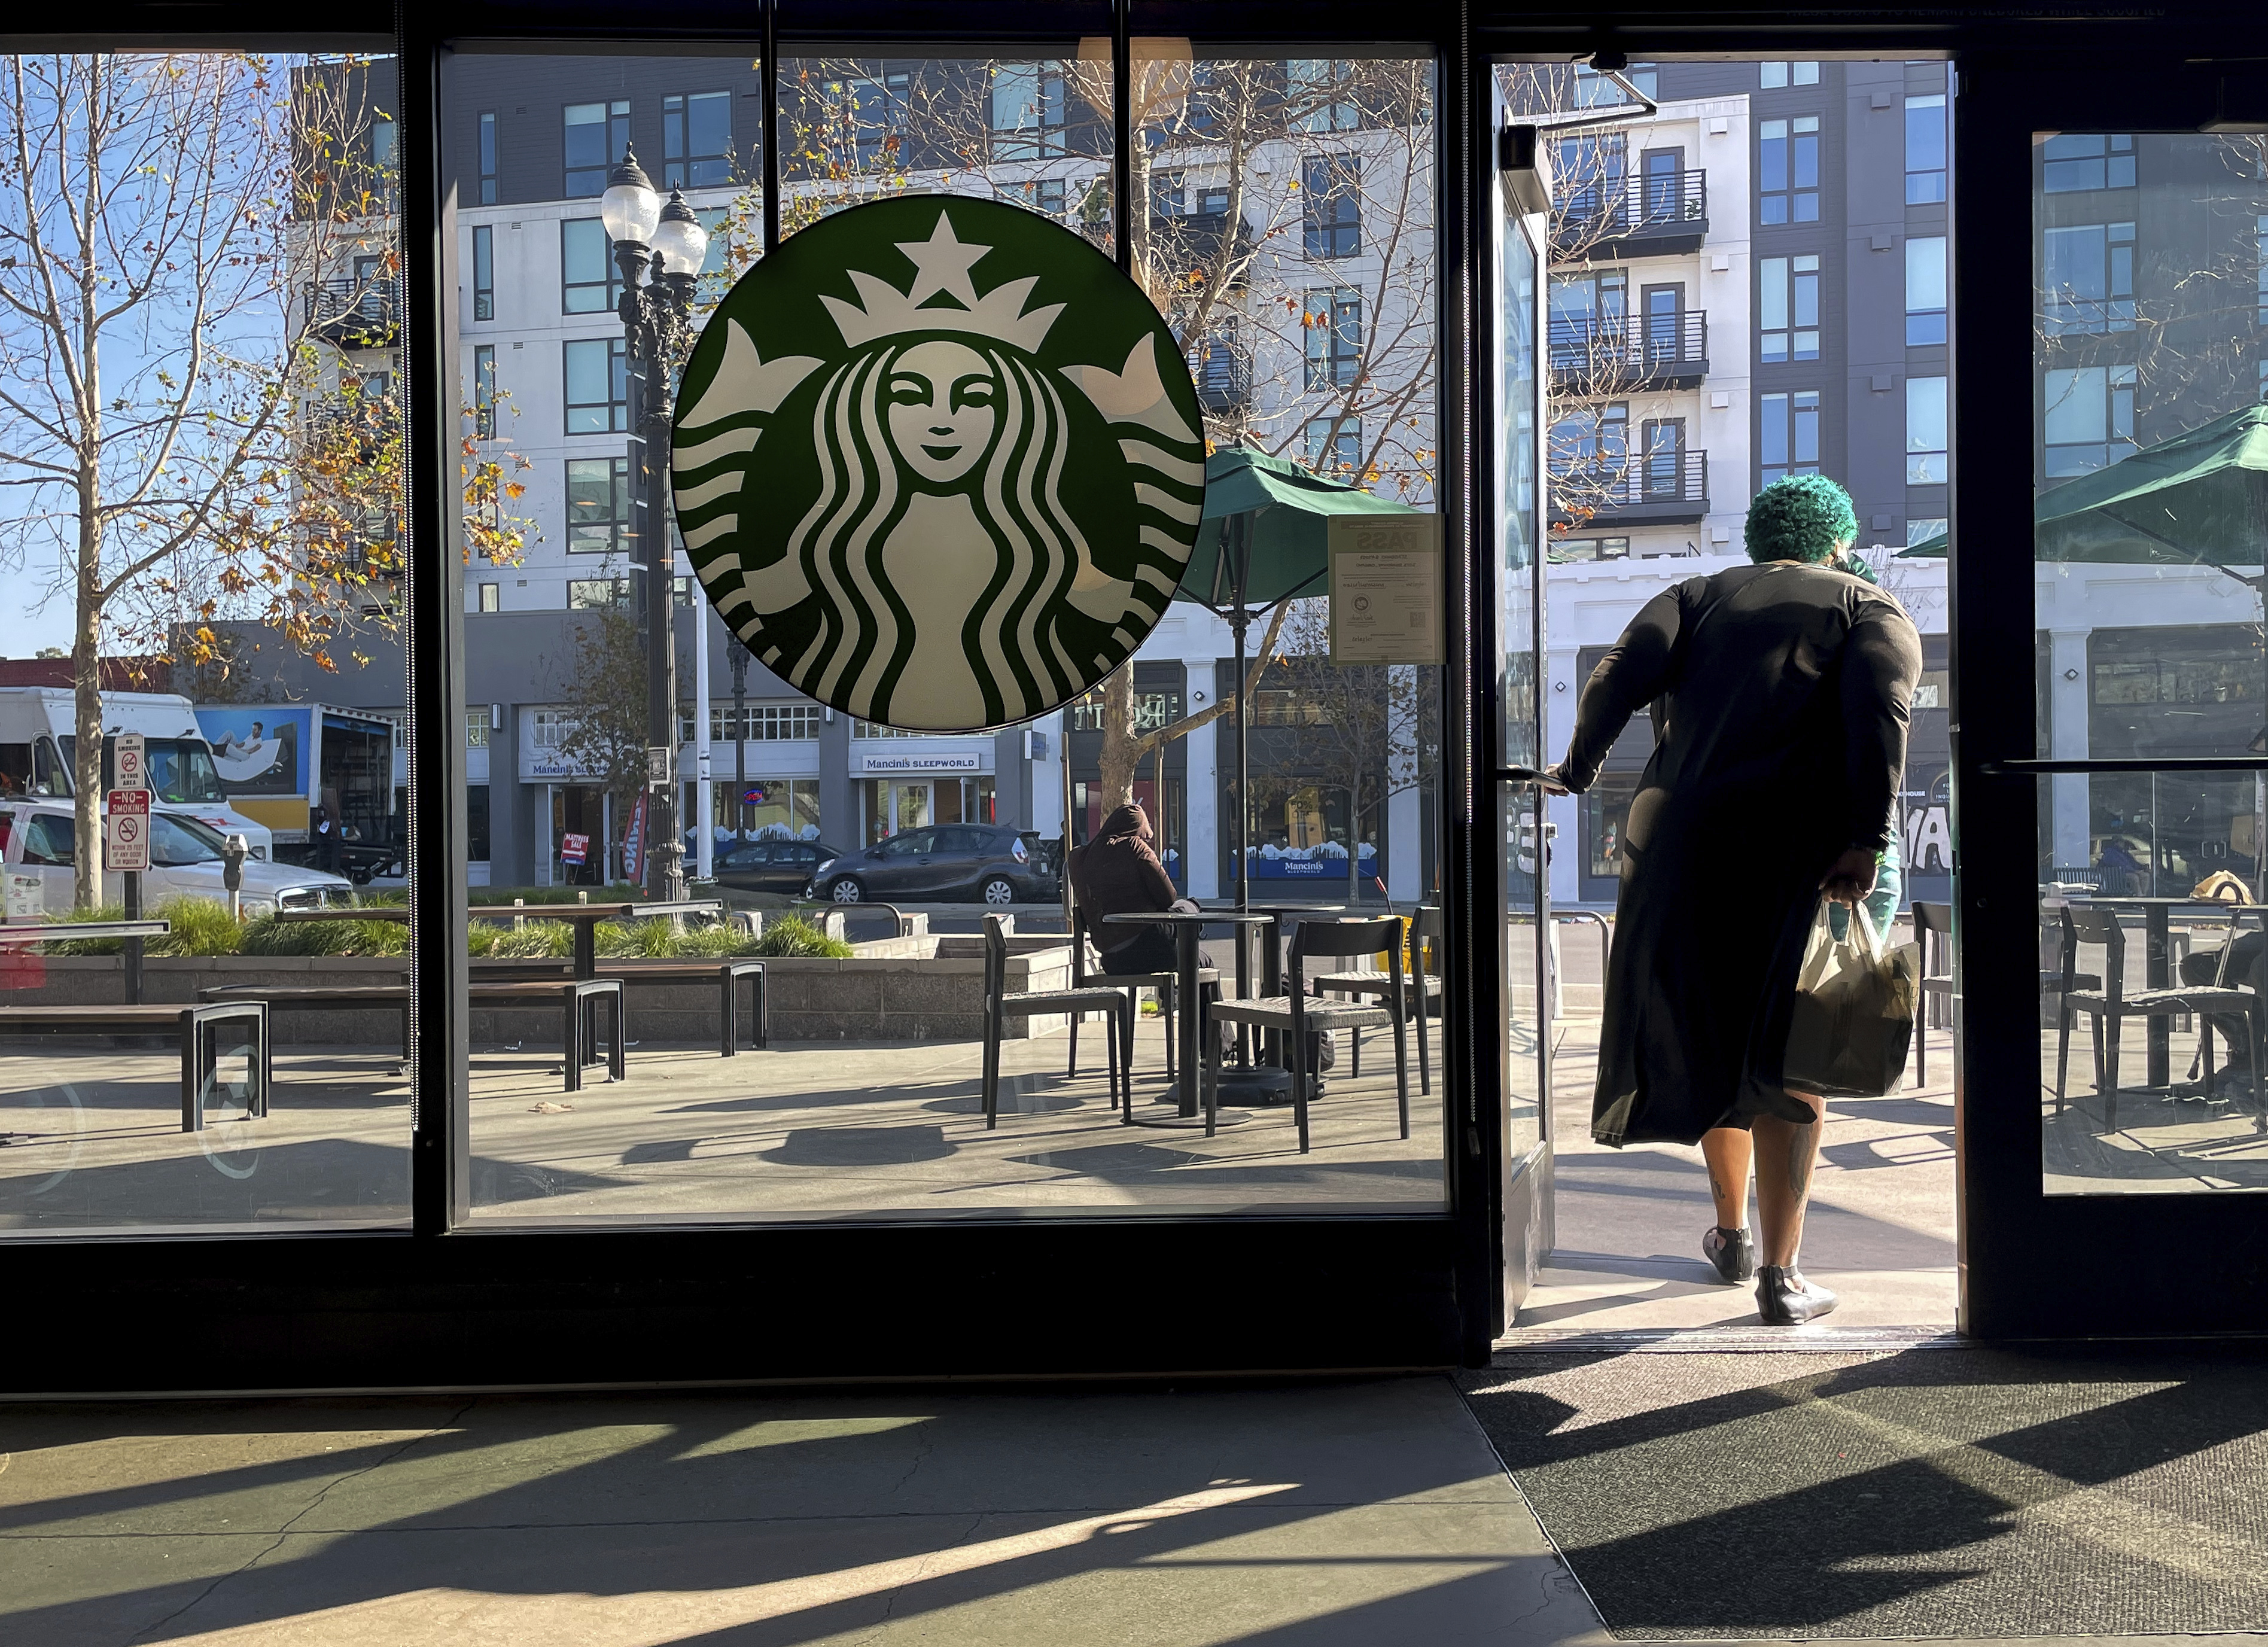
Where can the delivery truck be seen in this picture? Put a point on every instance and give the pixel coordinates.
(320, 777)
(39, 728)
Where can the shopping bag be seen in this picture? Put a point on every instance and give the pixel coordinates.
(1854, 1011)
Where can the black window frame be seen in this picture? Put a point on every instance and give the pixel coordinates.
(432, 1305)
(485, 138)
(681, 165)
(483, 271)
(1330, 211)
(586, 295)
(617, 404)
(584, 178)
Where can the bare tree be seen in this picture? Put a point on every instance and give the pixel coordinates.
(156, 371)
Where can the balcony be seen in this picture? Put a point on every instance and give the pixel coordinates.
(1669, 489)
(1223, 380)
(1597, 356)
(351, 313)
(1659, 215)
(1201, 242)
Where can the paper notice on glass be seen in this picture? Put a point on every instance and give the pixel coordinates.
(1386, 588)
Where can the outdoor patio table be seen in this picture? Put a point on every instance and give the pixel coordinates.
(2157, 929)
(585, 916)
(1186, 928)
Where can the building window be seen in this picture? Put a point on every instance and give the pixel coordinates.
(589, 282)
(1921, 528)
(1774, 76)
(2088, 271)
(696, 140)
(1222, 376)
(1664, 472)
(1787, 308)
(1595, 549)
(1788, 441)
(597, 505)
(1027, 111)
(1594, 89)
(484, 391)
(1335, 447)
(2076, 161)
(716, 265)
(1045, 196)
(1333, 319)
(1591, 439)
(488, 140)
(1924, 290)
(599, 594)
(1926, 430)
(597, 135)
(2088, 419)
(1925, 150)
(483, 272)
(1787, 169)
(878, 116)
(768, 723)
(1320, 92)
(598, 386)
(1333, 188)
(491, 600)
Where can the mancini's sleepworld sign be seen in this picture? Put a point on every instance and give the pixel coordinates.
(938, 463)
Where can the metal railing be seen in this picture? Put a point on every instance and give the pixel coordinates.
(1629, 349)
(1678, 480)
(362, 312)
(1613, 207)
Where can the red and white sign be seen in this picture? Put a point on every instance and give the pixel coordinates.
(126, 841)
(574, 849)
(130, 767)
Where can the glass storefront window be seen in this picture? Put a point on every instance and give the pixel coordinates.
(863, 1108)
(2148, 552)
(249, 197)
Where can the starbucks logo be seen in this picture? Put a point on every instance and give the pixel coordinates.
(938, 463)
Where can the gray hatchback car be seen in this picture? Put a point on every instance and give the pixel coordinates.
(941, 863)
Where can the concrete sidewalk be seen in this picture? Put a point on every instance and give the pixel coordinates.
(1351, 1514)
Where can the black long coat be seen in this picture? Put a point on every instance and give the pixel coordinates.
(1780, 695)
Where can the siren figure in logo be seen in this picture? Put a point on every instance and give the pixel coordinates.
(951, 536)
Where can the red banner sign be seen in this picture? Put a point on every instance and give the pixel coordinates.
(634, 844)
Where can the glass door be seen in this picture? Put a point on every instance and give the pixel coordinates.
(2109, 653)
(1517, 236)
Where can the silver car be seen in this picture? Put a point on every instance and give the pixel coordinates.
(186, 860)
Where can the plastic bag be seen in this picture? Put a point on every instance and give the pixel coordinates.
(1854, 1012)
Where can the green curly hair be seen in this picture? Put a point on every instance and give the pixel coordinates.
(1799, 517)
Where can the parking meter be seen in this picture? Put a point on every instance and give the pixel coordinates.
(232, 872)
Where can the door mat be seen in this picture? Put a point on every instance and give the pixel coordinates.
(1945, 1492)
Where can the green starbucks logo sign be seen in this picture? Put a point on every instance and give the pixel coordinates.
(938, 463)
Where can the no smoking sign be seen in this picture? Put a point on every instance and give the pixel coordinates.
(127, 840)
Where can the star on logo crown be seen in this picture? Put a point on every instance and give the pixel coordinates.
(941, 265)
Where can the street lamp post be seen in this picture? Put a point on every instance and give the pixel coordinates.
(659, 248)
(737, 655)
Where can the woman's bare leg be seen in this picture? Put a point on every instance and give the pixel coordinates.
(1726, 1150)
(1783, 1156)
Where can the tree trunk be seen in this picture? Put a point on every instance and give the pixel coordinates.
(86, 691)
(1121, 744)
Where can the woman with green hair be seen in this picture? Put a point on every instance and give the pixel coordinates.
(1779, 692)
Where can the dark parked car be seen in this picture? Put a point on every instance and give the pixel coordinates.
(781, 866)
(941, 863)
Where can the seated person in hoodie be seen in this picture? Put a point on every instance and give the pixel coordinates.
(1118, 873)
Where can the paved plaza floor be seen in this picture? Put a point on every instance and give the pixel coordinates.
(802, 1130)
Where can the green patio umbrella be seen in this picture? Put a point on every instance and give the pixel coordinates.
(1264, 538)
(2198, 499)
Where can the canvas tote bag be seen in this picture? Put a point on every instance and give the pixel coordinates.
(1854, 1011)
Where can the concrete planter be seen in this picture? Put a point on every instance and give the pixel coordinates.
(906, 989)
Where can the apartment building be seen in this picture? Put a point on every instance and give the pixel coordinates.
(1319, 342)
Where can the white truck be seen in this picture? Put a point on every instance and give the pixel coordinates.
(39, 735)
(277, 762)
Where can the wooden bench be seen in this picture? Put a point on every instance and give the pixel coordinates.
(575, 996)
(200, 1042)
(728, 975)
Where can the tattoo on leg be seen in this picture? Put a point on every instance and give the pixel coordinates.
(1799, 1159)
